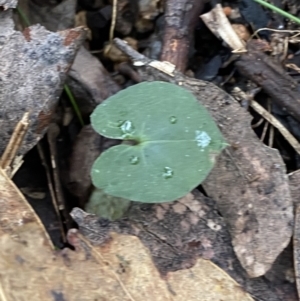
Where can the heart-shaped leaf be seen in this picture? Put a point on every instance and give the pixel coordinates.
(170, 143)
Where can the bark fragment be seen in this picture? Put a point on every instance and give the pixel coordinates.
(262, 70)
(180, 19)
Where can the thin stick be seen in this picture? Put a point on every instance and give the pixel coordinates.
(275, 30)
(113, 21)
(262, 138)
(278, 125)
(258, 123)
(263, 135)
(271, 136)
(51, 190)
(15, 142)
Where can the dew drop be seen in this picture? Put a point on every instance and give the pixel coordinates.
(127, 127)
(202, 139)
(134, 160)
(168, 173)
(173, 119)
(96, 170)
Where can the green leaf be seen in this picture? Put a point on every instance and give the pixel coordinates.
(106, 206)
(170, 143)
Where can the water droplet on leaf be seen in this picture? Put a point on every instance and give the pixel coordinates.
(202, 139)
(173, 119)
(168, 173)
(127, 127)
(134, 160)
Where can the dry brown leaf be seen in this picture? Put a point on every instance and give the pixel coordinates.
(33, 69)
(15, 212)
(121, 270)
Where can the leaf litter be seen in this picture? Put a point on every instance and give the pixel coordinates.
(193, 241)
(246, 182)
(122, 267)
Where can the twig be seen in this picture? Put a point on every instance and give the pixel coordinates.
(15, 142)
(262, 138)
(264, 132)
(113, 21)
(51, 190)
(271, 136)
(238, 93)
(258, 123)
(137, 58)
(180, 20)
(52, 134)
(270, 118)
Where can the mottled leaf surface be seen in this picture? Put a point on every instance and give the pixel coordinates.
(33, 69)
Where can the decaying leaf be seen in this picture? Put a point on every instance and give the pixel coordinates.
(177, 234)
(294, 187)
(248, 182)
(33, 69)
(120, 270)
(15, 212)
(56, 17)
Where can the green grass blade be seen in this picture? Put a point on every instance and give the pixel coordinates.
(278, 10)
(23, 16)
(74, 104)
